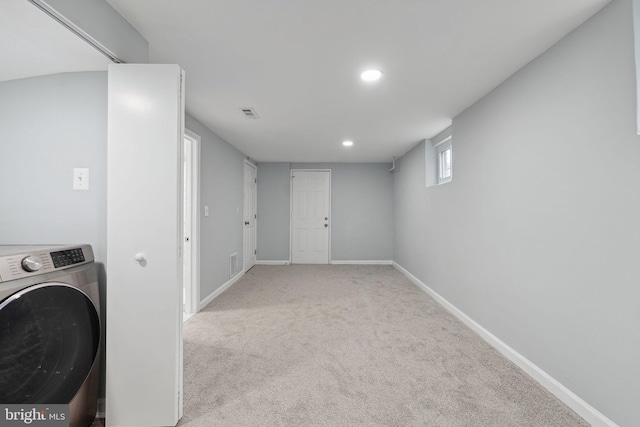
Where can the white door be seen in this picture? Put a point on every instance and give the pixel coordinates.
(144, 244)
(191, 252)
(250, 214)
(188, 233)
(310, 222)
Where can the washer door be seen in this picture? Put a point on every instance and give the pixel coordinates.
(49, 338)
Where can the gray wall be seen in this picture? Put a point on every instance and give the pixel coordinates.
(361, 210)
(221, 181)
(49, 126)
(537, 237)
(273, 211)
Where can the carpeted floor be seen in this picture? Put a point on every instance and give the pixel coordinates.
(343, 345)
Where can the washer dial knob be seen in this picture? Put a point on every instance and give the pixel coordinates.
(31, 263)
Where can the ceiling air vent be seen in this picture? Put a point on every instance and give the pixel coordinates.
(250, 113)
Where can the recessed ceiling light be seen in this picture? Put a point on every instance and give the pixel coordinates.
(347, 143)
(371, 75)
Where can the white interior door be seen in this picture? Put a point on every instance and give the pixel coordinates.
(250, 214)
(187, 260)
(310, 216)
(144, 244)
(191, 249)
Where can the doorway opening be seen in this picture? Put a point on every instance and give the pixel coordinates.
(191, 221)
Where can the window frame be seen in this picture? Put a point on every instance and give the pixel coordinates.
(442, 147)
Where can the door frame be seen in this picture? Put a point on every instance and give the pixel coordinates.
(248, 163)
(291, 172)
(193, 291)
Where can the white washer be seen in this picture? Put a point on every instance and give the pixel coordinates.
(50, 328)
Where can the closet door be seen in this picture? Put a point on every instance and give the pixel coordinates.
(144, 238)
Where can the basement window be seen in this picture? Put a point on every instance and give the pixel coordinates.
(445, 162)
(438, 159)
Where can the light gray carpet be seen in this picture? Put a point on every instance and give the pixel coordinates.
(342, 345)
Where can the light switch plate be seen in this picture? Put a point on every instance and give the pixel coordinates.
(206, 211)
(81, 179)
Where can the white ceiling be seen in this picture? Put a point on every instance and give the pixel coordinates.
(298, 63)
(34, 44)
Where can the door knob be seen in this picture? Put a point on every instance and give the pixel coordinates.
(326, 218)
(326, 225)
(246, 223)
(141, 259)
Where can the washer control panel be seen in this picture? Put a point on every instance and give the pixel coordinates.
(68, 257)
(32, 260)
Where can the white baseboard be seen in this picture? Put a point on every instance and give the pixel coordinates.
(363, 262)
(213, 295)
(187, 316)
(569, 398)
(272, 262)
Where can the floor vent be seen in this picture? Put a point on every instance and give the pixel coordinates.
(250, 113)
(233, 264)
